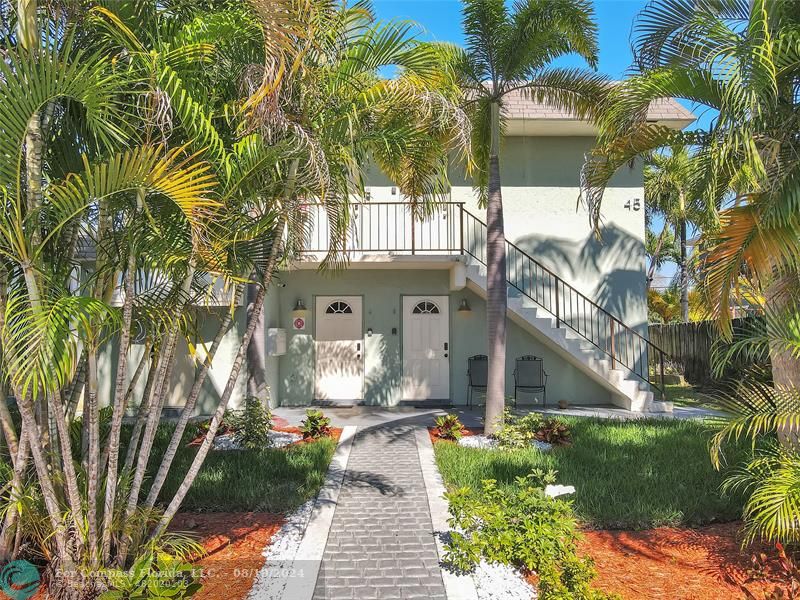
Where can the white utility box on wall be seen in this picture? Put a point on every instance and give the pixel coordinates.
(276, 341)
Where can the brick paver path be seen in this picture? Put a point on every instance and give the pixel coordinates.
(381, 541)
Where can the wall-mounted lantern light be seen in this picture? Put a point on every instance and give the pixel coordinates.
(464, 307)
(299, 309)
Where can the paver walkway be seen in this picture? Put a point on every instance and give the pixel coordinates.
(381, 541)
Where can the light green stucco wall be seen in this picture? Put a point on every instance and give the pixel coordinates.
(382, 292)
(543, 215)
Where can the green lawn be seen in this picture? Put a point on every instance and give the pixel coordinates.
(628, 474)
(687, 395)
(233, 481)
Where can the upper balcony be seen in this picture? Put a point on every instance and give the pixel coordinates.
(388, 230)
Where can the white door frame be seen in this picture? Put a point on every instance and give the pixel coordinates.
(412, 390)
(348, 390)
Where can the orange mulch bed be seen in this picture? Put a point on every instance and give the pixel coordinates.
(434, 433)
(281, 424)
(336, 433)
(234, 543)
(675, 564)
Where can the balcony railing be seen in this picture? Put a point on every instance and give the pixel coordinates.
(390, 227)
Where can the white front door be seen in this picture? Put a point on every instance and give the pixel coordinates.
(339, 341)
(426, 348)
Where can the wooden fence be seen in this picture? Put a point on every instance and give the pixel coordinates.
(688, 346)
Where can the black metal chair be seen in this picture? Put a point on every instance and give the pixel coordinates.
(530, 376)
(477, 374)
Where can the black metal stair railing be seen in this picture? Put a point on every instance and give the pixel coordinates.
(623, 345)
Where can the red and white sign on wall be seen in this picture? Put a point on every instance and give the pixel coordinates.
(299, 324)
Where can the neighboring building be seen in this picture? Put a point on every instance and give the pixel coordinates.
(392, 328)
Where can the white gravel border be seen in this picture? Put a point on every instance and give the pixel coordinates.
(456, 586)
(277, 439)
(294, 556)
(489, 581)
(487, 443)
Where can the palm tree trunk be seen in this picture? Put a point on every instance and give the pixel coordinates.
(188, 409)
(70, 477)
(137, 374)
(153, 418)
(651, 273)
(144, 411)
(5, 416)
(120, 392)
(161, 386)
(91, 420)
(33, 435)
(684, 275)
(11, 517)
(199, 459)
(76, 389)
(256, 358)
(496, 287)
(785, 366)
(12, 442)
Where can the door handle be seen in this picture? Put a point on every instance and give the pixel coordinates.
(358, 346)
(445, 346)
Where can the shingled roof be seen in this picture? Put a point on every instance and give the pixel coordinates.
(518, 106)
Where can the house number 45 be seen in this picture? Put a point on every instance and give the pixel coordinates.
(634, 204)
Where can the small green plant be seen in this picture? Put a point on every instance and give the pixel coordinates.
(251, 425)
(154, 575)
(554, 431)
(315, 425)
(450, 428)
(525, 529)
(518, 431)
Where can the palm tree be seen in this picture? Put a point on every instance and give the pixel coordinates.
(738, 59)
(661, 248)
(511, 52)
(105, 169)
(406, 125)
(668, 181)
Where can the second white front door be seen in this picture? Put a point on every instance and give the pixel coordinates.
(426, 348)
(339, 342)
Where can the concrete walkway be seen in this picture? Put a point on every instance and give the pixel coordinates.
(381, 542)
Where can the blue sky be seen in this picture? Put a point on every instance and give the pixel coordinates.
(441, 21)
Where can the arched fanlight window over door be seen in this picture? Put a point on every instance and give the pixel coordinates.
(339, 308)
(425, 308)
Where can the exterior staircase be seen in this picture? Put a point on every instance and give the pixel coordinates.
(544, 305)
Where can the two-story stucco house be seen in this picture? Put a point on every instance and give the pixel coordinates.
(400, 323)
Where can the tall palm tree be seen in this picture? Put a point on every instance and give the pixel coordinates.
(669, 178)
(145, 200)
(738, 59)
(511, 51)
(405, 124)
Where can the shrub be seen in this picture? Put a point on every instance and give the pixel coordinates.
(154, 575)
(788, 574)
(525, 529)
(449, 427)
(315, 425)
(554, 431)
(251, 425)
(518, 431)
